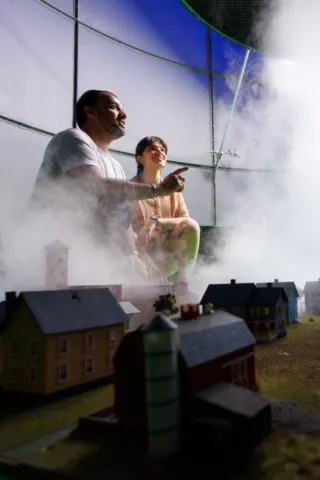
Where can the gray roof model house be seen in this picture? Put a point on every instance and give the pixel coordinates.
(58, 339)
(312, 297)
(231, 294)
(58, 311)
(289, 287)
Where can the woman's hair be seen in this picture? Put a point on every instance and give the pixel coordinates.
(142, 146)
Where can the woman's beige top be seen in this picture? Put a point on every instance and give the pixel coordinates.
(172, 206)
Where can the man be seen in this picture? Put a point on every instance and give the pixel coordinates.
(78, 161)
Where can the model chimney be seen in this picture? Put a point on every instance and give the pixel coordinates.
(11, 298)
(232, 281)
(269, 284)
(276, 280)
(57, 265)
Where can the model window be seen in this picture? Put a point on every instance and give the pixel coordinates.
(112, 337)
(239, 373)
(33, 375)
(89, 365)
(112, 351)
(63, 346)
(14, 374)
(267, 311)
(33, 349)
(89, 341)
(13, 349)
(252, 312)
(63, 372)
(272, 326)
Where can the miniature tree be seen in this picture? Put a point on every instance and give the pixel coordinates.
(166, 304)
(208, 308)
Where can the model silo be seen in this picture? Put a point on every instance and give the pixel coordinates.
(161, 339)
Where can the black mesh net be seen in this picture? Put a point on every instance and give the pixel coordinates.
(237, 19)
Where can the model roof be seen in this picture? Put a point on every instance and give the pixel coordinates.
(59, 311)
(267, 296)
(241, 401)
(312, 287)
(228, 294)
(287, 286)
(211, 336)
(128, 308)
(159, 323)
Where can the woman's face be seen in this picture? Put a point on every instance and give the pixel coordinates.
(154, 157)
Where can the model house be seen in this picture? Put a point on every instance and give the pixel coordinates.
(267, 313)
(232, 297)
(292, 295)
(263, 310)
(132, 314)
(53, 340)
(312, 297)
(169, 372)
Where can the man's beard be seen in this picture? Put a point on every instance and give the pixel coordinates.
(117, 132)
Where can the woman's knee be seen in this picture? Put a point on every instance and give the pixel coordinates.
(191, 225)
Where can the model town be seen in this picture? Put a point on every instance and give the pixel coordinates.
(184, 374)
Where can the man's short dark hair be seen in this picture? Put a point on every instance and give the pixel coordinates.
(90, 99)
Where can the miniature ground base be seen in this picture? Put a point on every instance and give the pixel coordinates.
(283, 456)
(287, 369)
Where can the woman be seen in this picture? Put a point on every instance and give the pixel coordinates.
(165, 231)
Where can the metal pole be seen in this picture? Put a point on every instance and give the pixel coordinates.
(75, 60)
(235, 98)
(211, 119)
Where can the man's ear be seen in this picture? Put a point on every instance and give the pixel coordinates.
(90, 112)
(139, 159)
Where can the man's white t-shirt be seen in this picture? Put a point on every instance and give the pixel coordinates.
(70, 149)
(74, 148)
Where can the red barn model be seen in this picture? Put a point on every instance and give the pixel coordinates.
(188, 385)
(213, 348)
(190, 311)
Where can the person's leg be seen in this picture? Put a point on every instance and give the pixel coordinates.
(182, 248)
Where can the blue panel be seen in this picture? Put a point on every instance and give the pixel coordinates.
(162, 27)
(63, 5)
(159, 98)
(36, 48)
(24, 150)
(227, 58)
(250, 96)
(258, 110)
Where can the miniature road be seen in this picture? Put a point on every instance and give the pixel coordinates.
(295, 417)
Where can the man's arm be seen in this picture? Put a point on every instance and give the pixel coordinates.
(78, 161)
(90, 179)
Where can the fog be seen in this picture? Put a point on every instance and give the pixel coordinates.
(276, 215)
